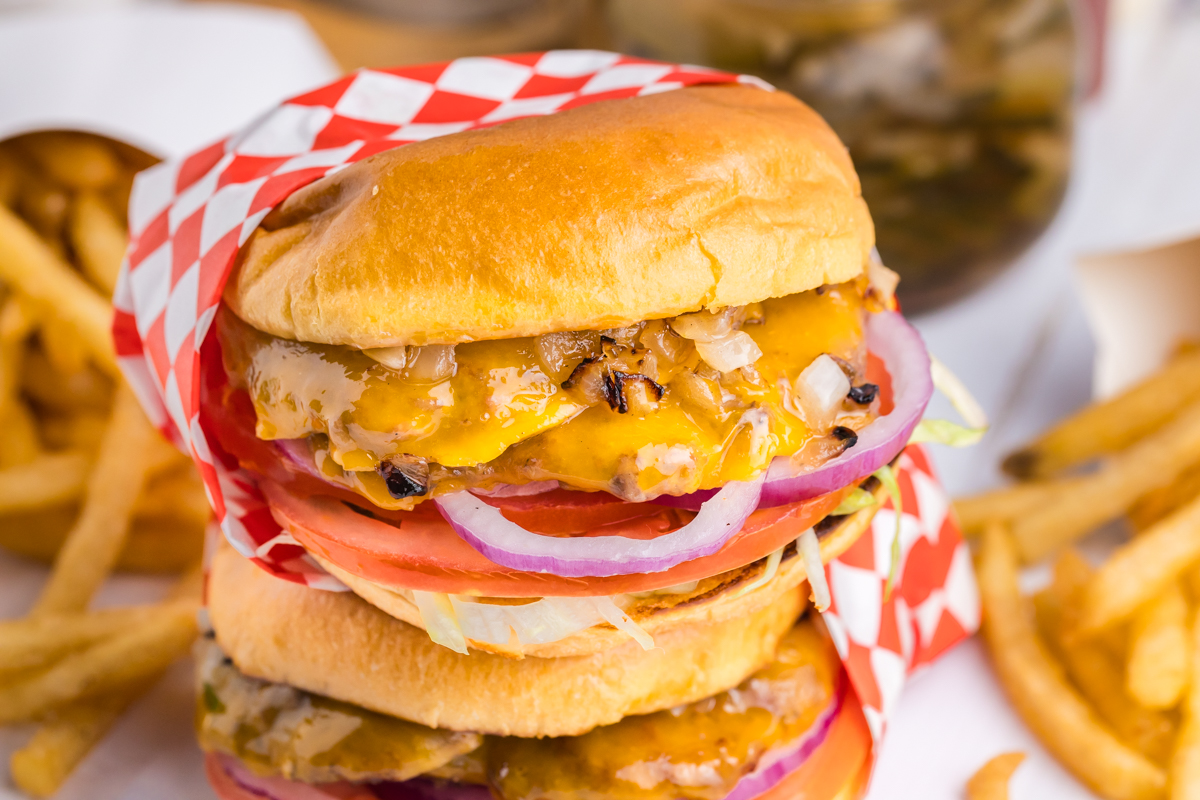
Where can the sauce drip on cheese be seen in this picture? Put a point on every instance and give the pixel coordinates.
(633, 411)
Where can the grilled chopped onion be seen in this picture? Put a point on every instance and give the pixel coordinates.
(430, 364)
(734, 351)
(704, 326)
(667, 346)
(820, 389)
(560, 352)
(391, 357)
(882, 280)
(701, 392)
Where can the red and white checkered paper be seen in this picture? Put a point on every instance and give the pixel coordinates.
(189, 217)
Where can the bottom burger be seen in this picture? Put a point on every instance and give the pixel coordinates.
(311, 695)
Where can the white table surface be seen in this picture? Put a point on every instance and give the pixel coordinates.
(1023, 347)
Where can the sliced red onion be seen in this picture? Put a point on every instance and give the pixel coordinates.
(903, 352)
(483, 527)
(781, 762)
(426, 789)
(238, 783)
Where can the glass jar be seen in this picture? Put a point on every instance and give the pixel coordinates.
(957, 113)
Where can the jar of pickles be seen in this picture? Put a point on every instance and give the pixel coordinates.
(957, 113)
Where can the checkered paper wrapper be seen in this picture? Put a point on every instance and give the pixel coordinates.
(189, 217)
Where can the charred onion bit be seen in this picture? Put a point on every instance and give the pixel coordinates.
(845, 435)
(865, 394)
(576, 375)
(616, 385)
(407, 480)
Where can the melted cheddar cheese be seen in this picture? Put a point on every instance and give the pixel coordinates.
(505, 416)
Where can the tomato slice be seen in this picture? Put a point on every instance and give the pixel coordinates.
(420, 551)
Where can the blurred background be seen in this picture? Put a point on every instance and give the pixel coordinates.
(958, 113)
(999, 143)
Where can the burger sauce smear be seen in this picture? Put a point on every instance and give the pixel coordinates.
(637, 411)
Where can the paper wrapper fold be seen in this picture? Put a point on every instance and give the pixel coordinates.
(188, 218)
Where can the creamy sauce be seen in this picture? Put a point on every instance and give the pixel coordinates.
(278, 730)
(501, 417)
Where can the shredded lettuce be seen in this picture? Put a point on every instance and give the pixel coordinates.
(437, 615)
(768, 575)
(810, 550)
(943, 431)
(855, 501)
(888, 478)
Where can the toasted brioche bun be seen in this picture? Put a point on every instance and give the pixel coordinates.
(714, 599)
(340, 646)
(596, 217)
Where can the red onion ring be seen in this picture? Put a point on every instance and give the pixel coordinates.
(781, 762)
(892, 339)
(505, 543)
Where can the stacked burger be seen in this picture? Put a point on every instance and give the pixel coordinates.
(576, 406)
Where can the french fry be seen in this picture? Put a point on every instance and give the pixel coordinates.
(19, 442)
(1035, 684)
(990, 782)
(89, 390)
(75, 160)
(1161, 502)
(1112, 425)
(44, 206)
(73, 431)
(37, 641)
(1092, 666)
(48, 480)
(1141, 569)
(62, 346)
(1156, 673)
(61, 741)
(10, 177)
(98, 239)
(121, 660)
(1185, 761)
(1003, 504)
(127, 455)
(1083, 504)
(27, 263)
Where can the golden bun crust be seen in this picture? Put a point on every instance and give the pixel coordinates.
(592, 218)
(716, 599)
(338, 645)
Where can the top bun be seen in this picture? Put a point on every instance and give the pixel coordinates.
(592, 218)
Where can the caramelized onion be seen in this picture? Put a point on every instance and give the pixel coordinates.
(430, 364)
(391, 357)
(664, 343)
(560, 352)
(704, 326)
(730, 352)
(820, 389)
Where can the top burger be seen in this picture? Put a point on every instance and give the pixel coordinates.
(612, 350)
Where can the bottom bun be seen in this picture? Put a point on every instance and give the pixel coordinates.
(337, 645)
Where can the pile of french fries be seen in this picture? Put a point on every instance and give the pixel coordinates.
(85, 480)
(1104, 663)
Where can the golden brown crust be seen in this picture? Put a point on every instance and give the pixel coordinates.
(338, 645)
(600, 216)
(714, 599)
